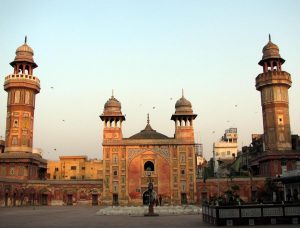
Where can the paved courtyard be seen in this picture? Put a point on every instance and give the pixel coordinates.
(61, 216)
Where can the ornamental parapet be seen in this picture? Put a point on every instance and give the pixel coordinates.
(273, 77)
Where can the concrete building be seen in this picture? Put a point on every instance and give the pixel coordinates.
(226, 148)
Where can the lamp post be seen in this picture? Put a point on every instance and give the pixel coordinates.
(218, 176)
(151, 196)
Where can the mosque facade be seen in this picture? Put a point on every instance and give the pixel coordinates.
(129, 164)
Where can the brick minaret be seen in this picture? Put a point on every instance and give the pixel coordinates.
(18, 160)
(21, 86)
(273, 85)
(112, 133)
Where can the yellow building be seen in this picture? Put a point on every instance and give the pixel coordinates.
(74, 168)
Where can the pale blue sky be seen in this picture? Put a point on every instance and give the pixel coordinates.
(147, 51)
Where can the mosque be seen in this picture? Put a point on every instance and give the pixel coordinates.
(128, 164)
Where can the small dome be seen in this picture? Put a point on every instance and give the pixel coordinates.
(24, 53)
(112, 104)
(24, 48)
(270, 51)
(183, 105)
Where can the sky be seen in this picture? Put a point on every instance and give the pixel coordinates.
(147, 51)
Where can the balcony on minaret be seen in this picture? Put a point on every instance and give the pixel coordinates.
(183, 118)
(112, 118)
(22, 80)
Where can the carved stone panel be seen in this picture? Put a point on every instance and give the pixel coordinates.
(163, 151)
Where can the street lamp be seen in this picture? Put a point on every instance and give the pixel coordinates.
(151, 193)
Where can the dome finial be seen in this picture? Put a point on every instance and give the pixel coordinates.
(182, 93)
(112, 93)
(25, 40)
(148, 119)
(269, 37)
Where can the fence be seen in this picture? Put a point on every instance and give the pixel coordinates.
(252, 214)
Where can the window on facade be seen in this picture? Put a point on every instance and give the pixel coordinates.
(148, 166)
(56, 169)
(73, 177)
(182, 172)
(54, 177)
(16, 123)
(115, 173)
(228, 152)
(73, 167)
(83, 168)
(82, 177)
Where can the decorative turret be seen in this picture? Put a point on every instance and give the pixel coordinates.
(112, 118)
(21, 87)
(273, 84)
(183, 118)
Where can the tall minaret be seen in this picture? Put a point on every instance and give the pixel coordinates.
(183, 119)
(273, 85)
(112, 118)
(21, 86)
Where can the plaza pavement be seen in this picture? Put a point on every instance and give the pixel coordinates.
(85, 216)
